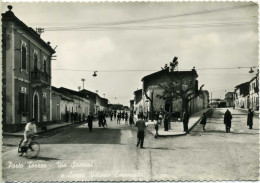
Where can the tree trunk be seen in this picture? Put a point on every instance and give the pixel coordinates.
(185, 106)
(170, 115)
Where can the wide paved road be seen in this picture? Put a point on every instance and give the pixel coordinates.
(74, 153)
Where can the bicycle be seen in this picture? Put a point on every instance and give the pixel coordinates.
(32, 150)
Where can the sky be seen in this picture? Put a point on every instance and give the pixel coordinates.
(214, 37)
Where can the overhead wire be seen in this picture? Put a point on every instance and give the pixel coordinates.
(151, 19)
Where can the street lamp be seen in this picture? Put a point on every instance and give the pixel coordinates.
(104, 95)
(95, 74)
(79, 88)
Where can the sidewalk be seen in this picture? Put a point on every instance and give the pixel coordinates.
(176, 127)
(49, 127)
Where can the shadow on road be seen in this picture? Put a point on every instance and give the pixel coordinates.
(45, 158)
(84, 136)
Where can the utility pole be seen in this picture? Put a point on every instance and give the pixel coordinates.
(83, 80)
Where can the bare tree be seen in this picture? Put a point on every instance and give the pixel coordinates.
(177, 88)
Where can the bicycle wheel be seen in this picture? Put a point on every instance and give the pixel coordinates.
(33, 150)
(19, 148)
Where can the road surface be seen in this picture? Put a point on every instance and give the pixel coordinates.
(110, 154)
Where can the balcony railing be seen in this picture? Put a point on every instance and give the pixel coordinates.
(39, 78)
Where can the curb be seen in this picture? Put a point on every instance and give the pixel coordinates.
(176, 135)
(40, 132)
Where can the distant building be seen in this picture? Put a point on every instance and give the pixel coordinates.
(76, 110)
(97, 103)
(132, 103)
(138, 102)
(26, 83)
(230, 97)
(150, 86)
(242, 95)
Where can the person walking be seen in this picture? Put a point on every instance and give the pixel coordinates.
(111, 115)
(90, 119)
(156, 126)
(118, 117)
(115, 114)
(140, 124)
(227, 120)
(100, 118)
(186, 118)
(131, 118)
(126, 118)
(160, 118)
(123, 115)
(250, 116)
(203, 120)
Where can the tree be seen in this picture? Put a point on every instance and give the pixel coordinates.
(177, 88)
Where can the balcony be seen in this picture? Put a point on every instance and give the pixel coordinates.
(39, 79)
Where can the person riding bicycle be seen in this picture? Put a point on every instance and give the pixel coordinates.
(29, 132)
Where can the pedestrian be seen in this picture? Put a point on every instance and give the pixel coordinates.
(123, 115)
(111, 115)
(100, 118)
(227, 120)
(156, 126)
(203, 120)
(114, 114)
(250, 116)
(131, 119)
(140, 124)
(160, 118)
(126, 118)
(90, 121)
(166, 121)
(118, 117)
(185, 120)
(104, 121)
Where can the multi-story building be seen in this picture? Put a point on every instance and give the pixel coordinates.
(254, 93)
(26, 83)
(242, 95)
(138, 103)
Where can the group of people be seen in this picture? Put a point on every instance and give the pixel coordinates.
(228, 120)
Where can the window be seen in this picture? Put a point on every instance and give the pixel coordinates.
(35, 61)
(23, 102)
(23, 57)
(44, 102)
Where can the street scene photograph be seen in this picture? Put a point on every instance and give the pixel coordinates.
(130, 91)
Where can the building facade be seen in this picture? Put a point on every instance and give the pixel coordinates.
(151, 86)
(254, 93)
(26, 83)
(242, 95)
(230, 98)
